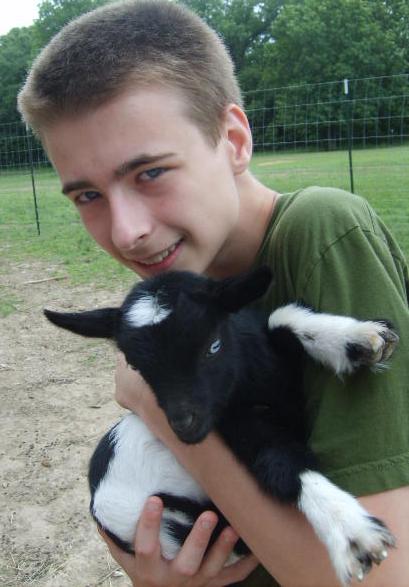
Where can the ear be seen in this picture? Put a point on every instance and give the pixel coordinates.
(234, 293)
(237, 132)
(95, 323)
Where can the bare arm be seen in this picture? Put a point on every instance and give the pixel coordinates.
(279, 535)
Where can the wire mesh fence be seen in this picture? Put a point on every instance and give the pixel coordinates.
(318, 116)
(362, 115)
(19, 148)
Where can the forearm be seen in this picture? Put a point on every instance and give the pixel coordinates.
(279, 535)
(276, 534)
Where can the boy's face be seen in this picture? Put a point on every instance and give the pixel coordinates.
(148, 186)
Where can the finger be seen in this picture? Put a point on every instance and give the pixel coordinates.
(121, 382)
(193, 550)
(148, 528)
(237, 571)
(129, 384)
(120, 360)
(124, 559)
(219, 553)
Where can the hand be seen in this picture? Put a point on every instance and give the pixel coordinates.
(192, 567)
(133, 393)
(130, 387)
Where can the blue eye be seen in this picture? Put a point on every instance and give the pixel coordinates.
(87, 197)
(150, 174)
(215, 347)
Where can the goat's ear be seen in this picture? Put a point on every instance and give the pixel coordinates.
(237, 292)
(95, 323)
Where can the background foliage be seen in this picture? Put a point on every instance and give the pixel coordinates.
(273, 43)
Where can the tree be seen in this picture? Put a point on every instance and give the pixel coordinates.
(324, 40)
(15, 50)
(320, 40)
(54, 14)
(244, 25)
(246, 28)
(397, 18)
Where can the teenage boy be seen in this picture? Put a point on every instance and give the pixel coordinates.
(139, 110)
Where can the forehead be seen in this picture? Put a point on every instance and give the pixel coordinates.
(139, 121)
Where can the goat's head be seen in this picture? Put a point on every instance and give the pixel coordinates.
(175, 329)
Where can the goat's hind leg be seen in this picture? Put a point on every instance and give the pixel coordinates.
(341, 343)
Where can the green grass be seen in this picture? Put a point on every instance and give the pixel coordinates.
(63, 242)
(381, 175)
(8, 303)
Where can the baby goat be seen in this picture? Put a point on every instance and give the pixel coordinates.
(214, 364)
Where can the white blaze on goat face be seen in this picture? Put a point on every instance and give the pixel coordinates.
(147, 311)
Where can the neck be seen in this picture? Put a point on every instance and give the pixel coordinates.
(257, 203)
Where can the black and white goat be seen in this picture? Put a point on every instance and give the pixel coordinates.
(212, 363)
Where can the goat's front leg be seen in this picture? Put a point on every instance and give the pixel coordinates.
(353, 538)
(341, 343)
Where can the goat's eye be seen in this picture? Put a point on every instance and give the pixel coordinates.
(214, 347)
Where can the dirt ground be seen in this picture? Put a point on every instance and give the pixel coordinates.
(56, 401)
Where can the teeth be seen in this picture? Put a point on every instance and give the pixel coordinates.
(160, 256)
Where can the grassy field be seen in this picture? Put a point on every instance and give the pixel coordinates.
(63, 241)
(381, 175)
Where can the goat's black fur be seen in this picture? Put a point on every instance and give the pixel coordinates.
(212, 364)
(250, 391)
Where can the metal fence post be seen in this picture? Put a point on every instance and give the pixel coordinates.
(349, 133)
(30, 159)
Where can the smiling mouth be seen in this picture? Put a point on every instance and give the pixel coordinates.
(159, 257)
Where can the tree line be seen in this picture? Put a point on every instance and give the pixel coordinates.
(273, 43)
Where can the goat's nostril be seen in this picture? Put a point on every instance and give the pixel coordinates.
(189, 421)
(183, 423)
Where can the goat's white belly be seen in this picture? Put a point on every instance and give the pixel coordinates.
(141, 466)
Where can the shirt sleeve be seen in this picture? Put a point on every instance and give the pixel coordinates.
(359, 425)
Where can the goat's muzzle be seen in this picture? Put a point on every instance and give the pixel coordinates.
(189, 427)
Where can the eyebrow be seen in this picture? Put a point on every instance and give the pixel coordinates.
(133, 164)
(72, 186)
(119, 172)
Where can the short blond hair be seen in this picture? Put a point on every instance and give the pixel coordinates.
(133, 43)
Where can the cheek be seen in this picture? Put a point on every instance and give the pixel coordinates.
(204, 200)
(221, 198)
(95, 218)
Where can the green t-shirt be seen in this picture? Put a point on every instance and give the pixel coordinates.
(328, 249)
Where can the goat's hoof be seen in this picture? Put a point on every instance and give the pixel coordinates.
(368, 545)
(371, 344)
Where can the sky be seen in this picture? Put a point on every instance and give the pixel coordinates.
(17, 13)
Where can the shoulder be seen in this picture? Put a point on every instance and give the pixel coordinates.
(308, 223)
(324, 233)
(321, 211)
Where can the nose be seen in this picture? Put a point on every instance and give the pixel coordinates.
(187, 425)
(131, 220)
(183, 422)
